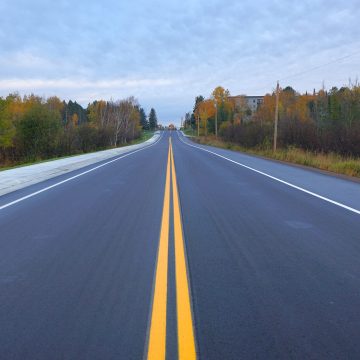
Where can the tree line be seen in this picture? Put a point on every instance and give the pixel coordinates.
(35, 128)
(323, 121)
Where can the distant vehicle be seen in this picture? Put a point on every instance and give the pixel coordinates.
(172, 127)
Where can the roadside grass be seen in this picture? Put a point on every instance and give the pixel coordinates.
(332, 162)
(190, 132)
(146, 135)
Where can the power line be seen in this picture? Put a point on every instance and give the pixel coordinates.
(311, 69)
(320, 66)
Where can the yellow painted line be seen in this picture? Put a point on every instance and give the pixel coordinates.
(186, 339)
(157, 334)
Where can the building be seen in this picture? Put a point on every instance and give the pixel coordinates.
(252, 102)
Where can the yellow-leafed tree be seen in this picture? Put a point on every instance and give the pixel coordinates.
(205, 110)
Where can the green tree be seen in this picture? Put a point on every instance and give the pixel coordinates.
(38, 132)
(7, 129)
(198, 100)
(72, 108)
(225, 107)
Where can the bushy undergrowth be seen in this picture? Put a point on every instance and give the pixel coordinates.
(345, 165)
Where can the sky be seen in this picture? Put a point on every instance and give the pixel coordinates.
(166, 52)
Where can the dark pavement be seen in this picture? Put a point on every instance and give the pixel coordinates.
(274, 272)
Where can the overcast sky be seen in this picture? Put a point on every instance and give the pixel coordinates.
(166, 52)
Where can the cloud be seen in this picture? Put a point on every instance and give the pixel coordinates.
(167, 52)
(40, 84)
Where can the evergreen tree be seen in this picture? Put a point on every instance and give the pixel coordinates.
(198, 100)
(143, 119)
(153, 119)
(72, 108)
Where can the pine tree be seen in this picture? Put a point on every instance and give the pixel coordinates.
(143, 119)
(153, 119)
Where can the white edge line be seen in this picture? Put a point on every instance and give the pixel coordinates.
(76, 176)
(275, 178)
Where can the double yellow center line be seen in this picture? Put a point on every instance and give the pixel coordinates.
(185, 329)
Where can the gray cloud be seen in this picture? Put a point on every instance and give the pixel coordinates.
(167, 52)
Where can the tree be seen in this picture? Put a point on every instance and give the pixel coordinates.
(198, 100)
(98, 113)
(38, 132)
(34, 127)
(55, 104)
(75, 119)
(205, 110)
(7, 129)
(220, 95)
(124, 120)
(242, 110)
(72, 108)
(187, 120)
(152, 119)
(143, 119)
(225, 107)
(87, 137)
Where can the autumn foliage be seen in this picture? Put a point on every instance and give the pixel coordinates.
(33, 128)
(324, 121)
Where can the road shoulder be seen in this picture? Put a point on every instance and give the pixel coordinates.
(21, 177)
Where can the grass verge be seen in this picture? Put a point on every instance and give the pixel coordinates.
(348, 166)
(189, 132)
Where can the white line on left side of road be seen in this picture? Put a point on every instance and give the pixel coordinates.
(356, 211)
(75, 176)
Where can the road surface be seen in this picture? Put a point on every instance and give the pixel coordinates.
(181, 251)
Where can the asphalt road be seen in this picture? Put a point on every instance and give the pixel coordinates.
(176, 250)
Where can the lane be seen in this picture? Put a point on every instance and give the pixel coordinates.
(13, 197)
(334, 187)
(77, 263)
(274, 272)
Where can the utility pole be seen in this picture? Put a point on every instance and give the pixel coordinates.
(276, 116)
(216, 118)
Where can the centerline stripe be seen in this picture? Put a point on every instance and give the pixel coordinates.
(185, 328)
(157, 335)
(186, 339)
